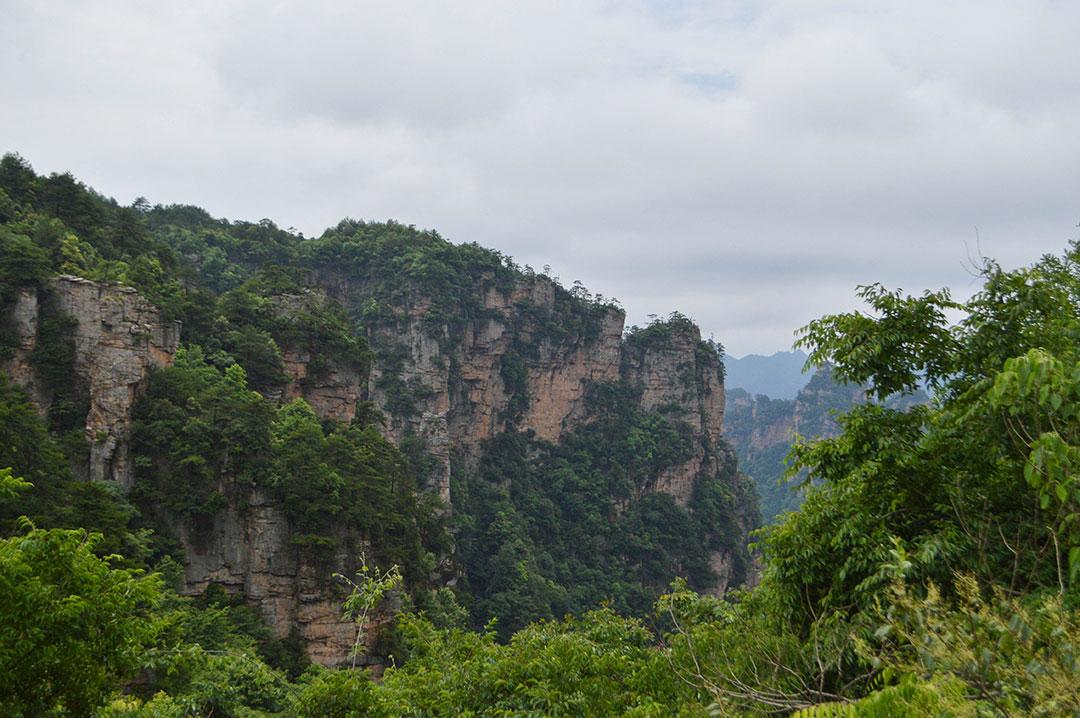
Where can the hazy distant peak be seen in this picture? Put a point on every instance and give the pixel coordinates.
(779, 376)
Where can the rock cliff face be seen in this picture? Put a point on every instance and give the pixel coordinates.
(333, 393)
(508, 369)
(247, 549)
(465, 384)
(117, 338)
(676, 376)
(331, 384)
(519, 363)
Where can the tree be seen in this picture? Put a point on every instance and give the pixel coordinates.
(369, 587)
(72, 627)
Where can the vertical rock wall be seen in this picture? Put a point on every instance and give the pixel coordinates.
(247, 549)
(118, 338)
(688, 385)
(506, 369)
(458, 383)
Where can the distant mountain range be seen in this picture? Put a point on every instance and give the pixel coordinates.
(779, 376)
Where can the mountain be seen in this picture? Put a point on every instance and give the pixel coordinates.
(778, 375)
(762, 430)
(273, 410)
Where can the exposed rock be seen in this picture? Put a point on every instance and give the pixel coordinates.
(333, 394)
(762, 431)
(457, 383)
(557, 384)
(332, 386)
(23, 323)
(118, 338)
(247, 549)
(515, 366)
(687, 385)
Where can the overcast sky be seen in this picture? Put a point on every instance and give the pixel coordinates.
(747, 163)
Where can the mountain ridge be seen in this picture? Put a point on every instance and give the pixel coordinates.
(377, 390)
(779, 375)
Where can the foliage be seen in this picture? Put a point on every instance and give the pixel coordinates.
(661, 332)
(910, 697)
(202, 439)
(1010, 656)
(397, 259)
(58, 499)
(198, 435)
(596, 665)
(549, 529)
(934, 567)
(1039, 398)
(22, 262)
(340, 694)
(745, 662)
(369, 587)
(11, 485)
(72, 625)
(906, 341)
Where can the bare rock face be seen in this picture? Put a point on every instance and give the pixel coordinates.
(118, 338)
(247, 549)
(333, 393)
(759, 422)
(557, 383)
(508, 370)
(23, 322)
(500, 370)
(554, 371)
(682, 377)
(687, 384)
(516, 365)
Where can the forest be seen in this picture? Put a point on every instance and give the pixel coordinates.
(932, 569)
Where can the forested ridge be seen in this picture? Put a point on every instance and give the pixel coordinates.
(933, 569)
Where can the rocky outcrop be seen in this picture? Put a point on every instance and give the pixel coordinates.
(118, 338)
(681, 377)
(758, 422)
(331, 384)
(507, 369)
(514, 365)
(247, 549)
(333, 393)
(453, 389)
(22, 323)
(762, 431)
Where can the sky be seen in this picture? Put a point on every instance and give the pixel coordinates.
(746, 163)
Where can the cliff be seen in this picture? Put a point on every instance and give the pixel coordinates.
(680, 376)
(444, 369)
(108, 340)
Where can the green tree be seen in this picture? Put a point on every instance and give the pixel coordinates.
(72, 626)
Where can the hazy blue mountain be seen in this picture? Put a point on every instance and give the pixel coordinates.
(779, 376)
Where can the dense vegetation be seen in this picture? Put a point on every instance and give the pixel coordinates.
(934, 568)
(577, 524)
(204, 439)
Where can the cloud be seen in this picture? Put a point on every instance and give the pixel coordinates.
(745, 162)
